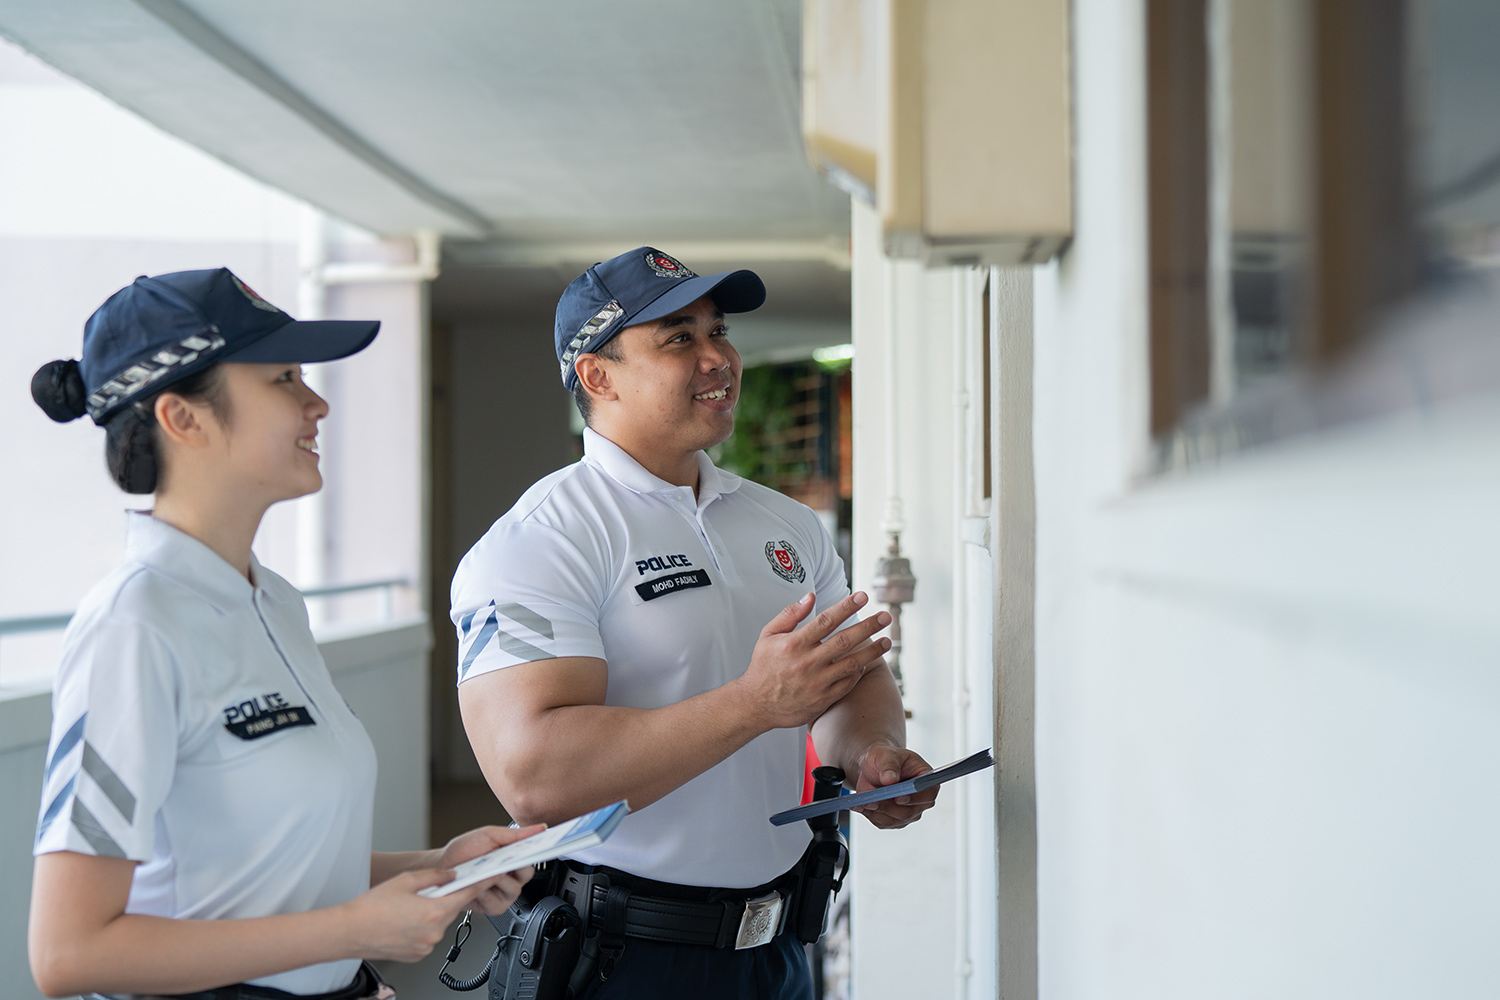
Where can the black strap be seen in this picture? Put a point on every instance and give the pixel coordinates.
(366, 982)
(614, 909)
(675, 921)
(613, 926)
(661, 911)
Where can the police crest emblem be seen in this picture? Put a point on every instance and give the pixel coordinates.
(783, 559)
(667, 267)
(253, 295)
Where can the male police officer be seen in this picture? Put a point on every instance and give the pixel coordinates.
(630, 630)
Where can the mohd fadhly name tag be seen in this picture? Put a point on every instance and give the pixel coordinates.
(671, 584)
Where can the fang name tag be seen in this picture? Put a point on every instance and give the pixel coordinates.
(264, 715)
(664, 585)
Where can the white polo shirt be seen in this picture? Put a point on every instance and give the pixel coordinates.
(195, 729)
(603, 559)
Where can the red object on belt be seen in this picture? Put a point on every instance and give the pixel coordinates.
(807, 778)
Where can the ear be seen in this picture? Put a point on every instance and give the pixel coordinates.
(593, 375)
(182, 422)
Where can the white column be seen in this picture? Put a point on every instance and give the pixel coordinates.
(312, 304)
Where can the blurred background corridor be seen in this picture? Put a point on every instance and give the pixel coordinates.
(1160, 335)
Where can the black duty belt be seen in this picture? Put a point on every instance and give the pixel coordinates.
(366, 984)
(677, 914)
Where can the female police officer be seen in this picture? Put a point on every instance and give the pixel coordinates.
(207, 808)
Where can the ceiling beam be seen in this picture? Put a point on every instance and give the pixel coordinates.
(208, 40)
(494, 253)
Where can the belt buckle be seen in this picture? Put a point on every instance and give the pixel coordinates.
(759, 923)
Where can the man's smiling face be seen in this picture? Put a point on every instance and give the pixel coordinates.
(678, 382)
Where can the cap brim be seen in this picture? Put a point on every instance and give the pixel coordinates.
(732, 291)
(308, 341)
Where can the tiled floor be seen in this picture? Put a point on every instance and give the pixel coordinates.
(455, 808)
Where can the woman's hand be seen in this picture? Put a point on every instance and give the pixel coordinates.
(392, 921)
(498, 897)
(82, 940)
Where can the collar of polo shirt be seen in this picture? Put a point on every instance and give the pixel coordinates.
(183, 559)
(617, 463)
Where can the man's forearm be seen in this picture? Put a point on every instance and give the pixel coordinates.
(871, 713)
(574, 758)
(551, 748)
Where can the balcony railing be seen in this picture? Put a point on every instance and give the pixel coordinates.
(50, 623)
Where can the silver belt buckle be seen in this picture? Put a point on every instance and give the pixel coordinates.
(758, 925)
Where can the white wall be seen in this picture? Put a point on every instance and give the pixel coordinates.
(1090, 397)
(381, 672)
(1266, 692)
(902, 881)
(927, 901)
(374, 442)
(25, 720)
(1267, 707)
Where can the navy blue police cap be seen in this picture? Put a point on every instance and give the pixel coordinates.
(161, 329)
(639, 286)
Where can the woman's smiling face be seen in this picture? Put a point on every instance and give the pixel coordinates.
(269, 441)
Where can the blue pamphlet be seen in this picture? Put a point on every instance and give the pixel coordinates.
(957, 769)
(587, 830)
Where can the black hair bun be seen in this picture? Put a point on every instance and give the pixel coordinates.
(58, 389)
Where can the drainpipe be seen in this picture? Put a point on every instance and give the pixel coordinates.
(315, 273)
(893, 583)
(963, 368)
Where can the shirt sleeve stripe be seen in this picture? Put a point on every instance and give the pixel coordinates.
(109, 782)
(480, 641)
(54, 807)
(520, 648)
(522, 615)
(98, 838)
(68, 742)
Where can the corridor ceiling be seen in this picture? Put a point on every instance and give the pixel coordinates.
(542, 132)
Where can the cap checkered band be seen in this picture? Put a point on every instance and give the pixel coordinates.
(601, 321)
(143, 374)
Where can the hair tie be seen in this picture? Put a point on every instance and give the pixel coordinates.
(58, 389)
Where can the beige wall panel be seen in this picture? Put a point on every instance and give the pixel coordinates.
(1270, 107)
(840, 73)
(995, 118)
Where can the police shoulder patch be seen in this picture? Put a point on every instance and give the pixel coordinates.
(783, 559)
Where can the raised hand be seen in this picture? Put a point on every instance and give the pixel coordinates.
(796, 673)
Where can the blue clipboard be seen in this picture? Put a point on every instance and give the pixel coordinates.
(978, 762)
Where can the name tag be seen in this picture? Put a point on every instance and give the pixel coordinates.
(253, 725)
(664, 585)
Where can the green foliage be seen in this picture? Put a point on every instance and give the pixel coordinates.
(763, 414)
